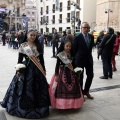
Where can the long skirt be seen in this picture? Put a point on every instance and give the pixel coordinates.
(66, 93)
(28, 97)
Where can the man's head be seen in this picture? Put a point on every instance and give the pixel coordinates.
(55, 31)
(110, 30)
(68, 31)
(85, 27)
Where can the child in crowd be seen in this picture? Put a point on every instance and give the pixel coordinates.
(65, 92)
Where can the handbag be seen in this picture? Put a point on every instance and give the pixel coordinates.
(100, 50)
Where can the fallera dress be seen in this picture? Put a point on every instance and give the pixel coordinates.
(66, 93)
(28, 97)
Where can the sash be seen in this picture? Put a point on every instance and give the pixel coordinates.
(62, 56)
(27, 50)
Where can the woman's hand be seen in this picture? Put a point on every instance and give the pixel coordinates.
(70, 66)
(18, 74)
(57, 78)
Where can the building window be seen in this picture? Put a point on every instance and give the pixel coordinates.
(18, 12)
(68, 5)
(47, 9)
(41, 11)
(47, 29)
(68, 17)
(33, 19)
(33, 13)
(53, 30)
(77, 16)
(41, 0)
(53, 20)
(60, 7)
(60, 29)
(41, 30)
(67, 28)
(78, 1)
(41, 20)
(60, 18)
(53, 8)
(47, 19)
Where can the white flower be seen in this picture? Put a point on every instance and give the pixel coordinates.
(78, 69)
(19, 66)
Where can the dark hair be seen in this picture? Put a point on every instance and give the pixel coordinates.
(101, 33)
(118, 33)
(37, 43)
(61, 48)
(110, 30)
(64, 32)
(69, 37)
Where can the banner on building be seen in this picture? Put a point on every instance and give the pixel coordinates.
(57, 5)
(25, 23)
(2, 10)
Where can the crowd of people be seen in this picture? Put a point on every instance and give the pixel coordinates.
(29, 94)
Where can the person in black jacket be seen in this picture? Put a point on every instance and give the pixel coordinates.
(107, 53)
(82, 49)
(3, 38)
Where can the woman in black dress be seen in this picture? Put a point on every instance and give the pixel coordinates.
(27, 95)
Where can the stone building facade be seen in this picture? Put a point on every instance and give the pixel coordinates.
(59, 13)
(14, 10)
(31, 13)
(108, 14)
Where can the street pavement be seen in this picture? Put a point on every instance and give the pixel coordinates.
(106, 103)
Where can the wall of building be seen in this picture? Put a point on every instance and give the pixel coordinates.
(113, 16)
(10, 5)
(31, 13)
(88, 12)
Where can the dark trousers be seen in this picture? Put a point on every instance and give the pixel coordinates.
(89, 72)
(54, 45)
(107, 65)
(3, 42)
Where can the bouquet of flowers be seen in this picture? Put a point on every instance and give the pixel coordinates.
(78, 71)
(20, 68)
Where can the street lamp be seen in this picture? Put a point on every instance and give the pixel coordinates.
(76, 6)
(107, 11)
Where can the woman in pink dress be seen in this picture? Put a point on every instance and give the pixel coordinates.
(115, 51)
(65, 92)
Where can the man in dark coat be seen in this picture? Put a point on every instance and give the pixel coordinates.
(3, 38)
(107, 45)
(55, 41)
(82, 48)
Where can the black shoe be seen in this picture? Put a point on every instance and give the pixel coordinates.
(110, 77)
(103, 77)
